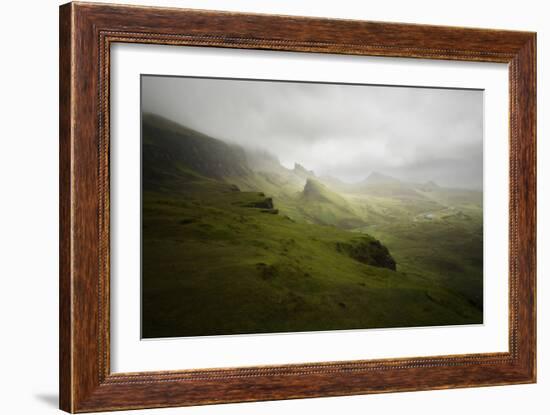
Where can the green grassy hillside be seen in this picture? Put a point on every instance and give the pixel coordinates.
(213, 265)
(436, 235)
(318, 204)
(228, 249)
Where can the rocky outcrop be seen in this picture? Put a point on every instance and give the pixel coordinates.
(368, 251)
(266, 203)
(271, 211)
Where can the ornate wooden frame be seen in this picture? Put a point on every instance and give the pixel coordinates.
(86, 33)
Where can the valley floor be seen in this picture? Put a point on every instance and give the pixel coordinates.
(212, 264)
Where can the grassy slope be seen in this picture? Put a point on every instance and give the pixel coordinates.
(320, 205)
(213, 266)
(303, 200)
(437, 235)
(446, 249)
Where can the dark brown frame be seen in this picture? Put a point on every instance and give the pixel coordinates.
(86, 33)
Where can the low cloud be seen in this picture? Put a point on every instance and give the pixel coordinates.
(346, 131)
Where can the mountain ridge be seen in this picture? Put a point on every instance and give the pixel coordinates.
(171, 146)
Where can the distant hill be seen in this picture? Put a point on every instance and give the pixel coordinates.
(378, 184)
(322, 205)
(429, 186)
(316, 191)
(376, 179)
(337, 185)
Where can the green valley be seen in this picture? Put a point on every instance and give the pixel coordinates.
(233, 242)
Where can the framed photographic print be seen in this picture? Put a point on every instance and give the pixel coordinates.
(258, 207)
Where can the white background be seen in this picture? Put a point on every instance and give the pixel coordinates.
(129, 354)
(28, 208)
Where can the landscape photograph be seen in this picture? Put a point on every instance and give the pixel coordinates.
(278, 206)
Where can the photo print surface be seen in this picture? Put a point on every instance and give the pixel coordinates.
(278, 206)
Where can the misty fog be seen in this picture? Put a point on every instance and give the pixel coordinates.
(338, 130)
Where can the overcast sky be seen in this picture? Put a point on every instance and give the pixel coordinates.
(345, 131)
